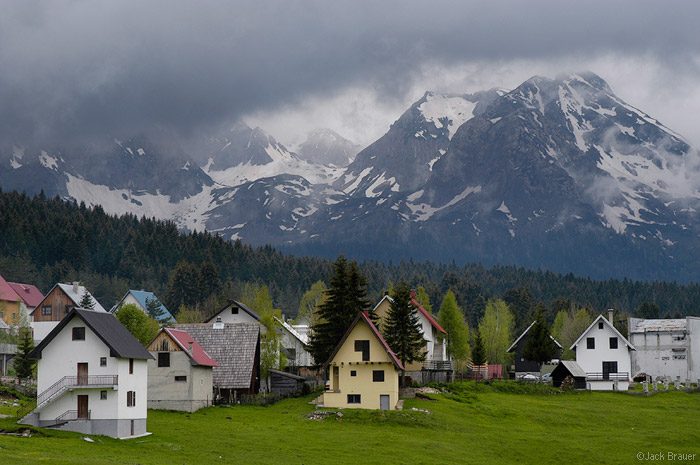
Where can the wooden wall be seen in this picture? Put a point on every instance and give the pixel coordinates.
(58, 300)
(157, 344)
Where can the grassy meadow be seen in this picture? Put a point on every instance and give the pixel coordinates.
(501, 424)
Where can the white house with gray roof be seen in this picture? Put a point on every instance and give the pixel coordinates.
(91, 377)
(666, 347)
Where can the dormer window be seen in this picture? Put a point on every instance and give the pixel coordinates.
(79, 333)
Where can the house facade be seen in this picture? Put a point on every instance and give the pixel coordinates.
(666, 347)
(363, 371)
(235, 312)
(437, 367)
(295, 346)
(30, 295)
(91, 377)
(180, 374)
(58, 302)
(141, 299)
(604, 355)
(522, 365)
(10, 303)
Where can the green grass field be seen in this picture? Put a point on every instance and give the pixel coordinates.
(474, 424)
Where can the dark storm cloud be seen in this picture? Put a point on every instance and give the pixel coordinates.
(78, 69)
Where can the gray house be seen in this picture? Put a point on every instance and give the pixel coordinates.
(180, 375)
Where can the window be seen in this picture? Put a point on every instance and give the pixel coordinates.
(103, 361)
(46, 310)
(613, 343)
(378, 376)
(69, 308)
(79, 333)
(131, 366)
(363, 346)
(353, 373)
(353, 398)
(131, 399)
(590, 343)
(234, 310)
(163, 359)
(181, 378)
(600, 325)
(103, 395)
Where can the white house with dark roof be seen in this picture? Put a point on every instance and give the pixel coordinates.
(91, 377)
(666, 347)
(180, 376)
(235, 312)
(295, 345)
(604, 355)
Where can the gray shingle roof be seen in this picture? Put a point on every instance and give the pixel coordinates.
(120, 341)
(233, 347)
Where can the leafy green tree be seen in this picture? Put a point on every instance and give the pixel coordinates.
(452, 320)
(423, 299)
(190, 315)
(496, 330)
(343, 302)
(310, 302)
(154, 309)
(23, 365)
(143, 327)
(86, 301)
(568, 326)
(402, 330)
(539, 347)
(478, 351)
(271, 355)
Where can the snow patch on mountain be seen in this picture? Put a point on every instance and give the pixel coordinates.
(456, 109)
(47, 161)
(423, 211)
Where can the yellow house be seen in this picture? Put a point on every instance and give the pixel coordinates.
(363, 371)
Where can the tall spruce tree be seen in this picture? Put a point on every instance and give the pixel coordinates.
(154, 309)
(345, 297)
(478, 351)
(402, 330)
(539, 347)
(86, 301)
(23, 365)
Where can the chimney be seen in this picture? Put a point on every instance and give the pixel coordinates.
(190, 346)
(610, 315)
(76, 285)
(413, 293)
(366, 312)
(386, 293)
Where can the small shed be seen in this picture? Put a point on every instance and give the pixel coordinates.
(569, 368)
(283, 382)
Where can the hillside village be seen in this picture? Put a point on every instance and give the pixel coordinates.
(99, 371)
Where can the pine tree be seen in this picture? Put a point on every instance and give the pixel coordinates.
(402, 330)
(23, 365)
(86, 301)
(539, 347)
(478, 351)
(154, 309)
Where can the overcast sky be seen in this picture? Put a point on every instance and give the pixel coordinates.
(75, 69)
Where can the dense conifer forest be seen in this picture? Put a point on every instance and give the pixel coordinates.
(48, 240)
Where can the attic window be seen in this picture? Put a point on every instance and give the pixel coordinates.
(363, 346)
(79, 333)
(234, 310)
(590, 343)
(46, 310)
(600, 325)
(163, 359)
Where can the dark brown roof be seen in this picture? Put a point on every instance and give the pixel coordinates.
(232, 346)
(120, 341)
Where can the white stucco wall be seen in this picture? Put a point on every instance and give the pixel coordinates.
(694, 347)
(655, 354)
(41, 329)
(227, 317)
(165, 392)
(130, 299)
(591, 360)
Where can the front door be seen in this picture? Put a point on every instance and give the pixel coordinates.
(82, 406)
(609, 367)
(82, 373)
(384, 402)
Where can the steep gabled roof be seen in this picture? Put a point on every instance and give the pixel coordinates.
(601, 317)
(142, 297)
(183, 339)
(232, 346)
(239, 305)
(121, 342)
(362, 316)
(525, 332)
(573, 368)
(6, 292)
(28, 293)
(75, 297)
(301, 338)
(420, 308)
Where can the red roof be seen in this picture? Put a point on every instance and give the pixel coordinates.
(6, 292)
(425, 313)
(198, 354)
(28, 293)
(363, 316)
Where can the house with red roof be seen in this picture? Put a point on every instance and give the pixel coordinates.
(30, 295)
(436, 367)
(363, 370)
(180, 377)
(11, 304)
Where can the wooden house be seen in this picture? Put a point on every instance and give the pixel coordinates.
(363, 371)
(180, 374)
(437, 367)
(236, 350)
(522, 365)
(10, 303)
(141, 299)
(604, 354)
(91, 377)
(58, 302)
